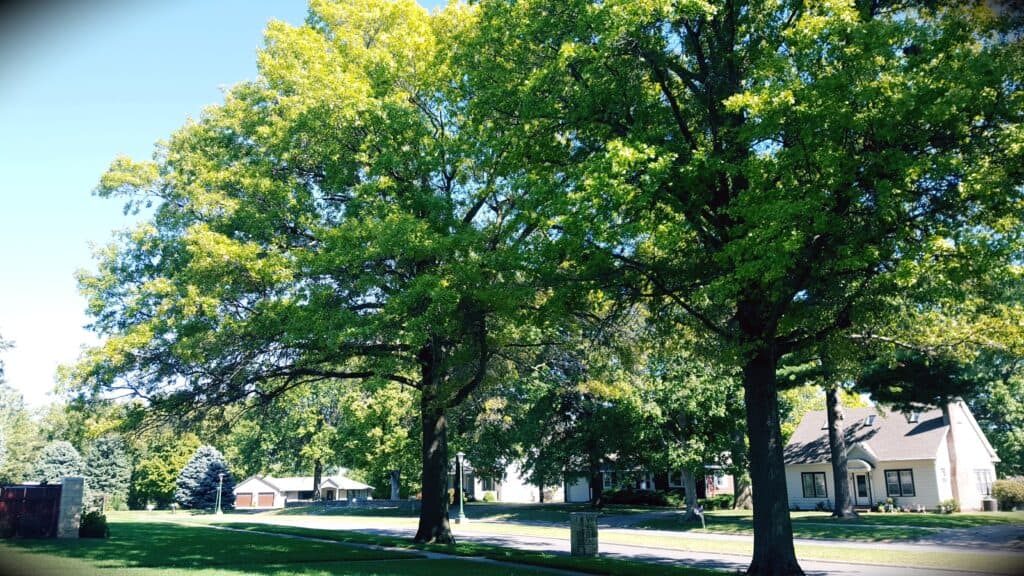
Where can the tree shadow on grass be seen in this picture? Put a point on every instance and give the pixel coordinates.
(166, 545)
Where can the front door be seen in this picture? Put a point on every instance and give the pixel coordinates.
(860, 490)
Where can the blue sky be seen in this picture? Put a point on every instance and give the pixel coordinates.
(78, 86)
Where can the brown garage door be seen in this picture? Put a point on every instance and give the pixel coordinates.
(243, 500)
(266, 499)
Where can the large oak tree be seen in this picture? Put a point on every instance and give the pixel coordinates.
(779, 168)
(333, 220)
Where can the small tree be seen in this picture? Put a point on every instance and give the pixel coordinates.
(155, 476)
(198, 481)
(108, 470)
(57, 460)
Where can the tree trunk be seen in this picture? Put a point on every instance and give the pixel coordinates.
(742, 495)
(740, 471)
(596, 488)
(318, 472)
(837, 444)
(434, 524)
(540, 492)
(396, 484)
(773, 531)
(690, 485)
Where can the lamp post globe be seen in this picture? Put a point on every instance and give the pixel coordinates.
(460, 459)
(220, 486)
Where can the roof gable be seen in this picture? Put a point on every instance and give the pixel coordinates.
(977, 430)
(891, 436)
(252, 481)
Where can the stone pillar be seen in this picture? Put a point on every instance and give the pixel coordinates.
(583, 528)
(394, 484)
(70, 515)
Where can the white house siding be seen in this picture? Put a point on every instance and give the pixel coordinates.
(942, 472)
(515, 488)
(255, 487)
(577, 488)
(795, 489)
(972, 454)
(926, 485)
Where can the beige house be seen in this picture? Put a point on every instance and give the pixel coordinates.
(918, 459)
(269, 492)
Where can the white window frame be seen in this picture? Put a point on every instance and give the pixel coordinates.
(899, 479)
(983, 480)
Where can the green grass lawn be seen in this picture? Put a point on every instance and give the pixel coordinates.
(599, 565)
(558, 513)
(320, 510)
(489, 511)
(152, 548)
(933, 520)
(991, 562)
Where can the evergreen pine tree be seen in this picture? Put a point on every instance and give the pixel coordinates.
(198, 481)
(57, 460)
(108, 470)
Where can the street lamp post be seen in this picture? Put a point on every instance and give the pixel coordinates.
(220, 486)
(460, 459)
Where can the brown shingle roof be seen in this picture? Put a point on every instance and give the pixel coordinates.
(891, 437)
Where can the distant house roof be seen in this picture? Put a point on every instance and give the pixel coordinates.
(305, 483)
(888, 436)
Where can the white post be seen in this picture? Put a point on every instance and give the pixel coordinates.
(220, 486)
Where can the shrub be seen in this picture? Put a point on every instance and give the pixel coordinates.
(632, 496)
(1009, 492)
(489, 497)
(675, 499)
(949, 506)
(720, 502)
(94, 525)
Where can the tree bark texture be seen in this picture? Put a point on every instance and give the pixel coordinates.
(843, 507)
(434, 526)
(596, 488)
(690, 485)
(396, 484)
(318, 473)
(773, 531)
(740, 468)
(689, 478)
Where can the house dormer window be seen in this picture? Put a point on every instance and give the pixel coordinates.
(870, 420)
(914, 417)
